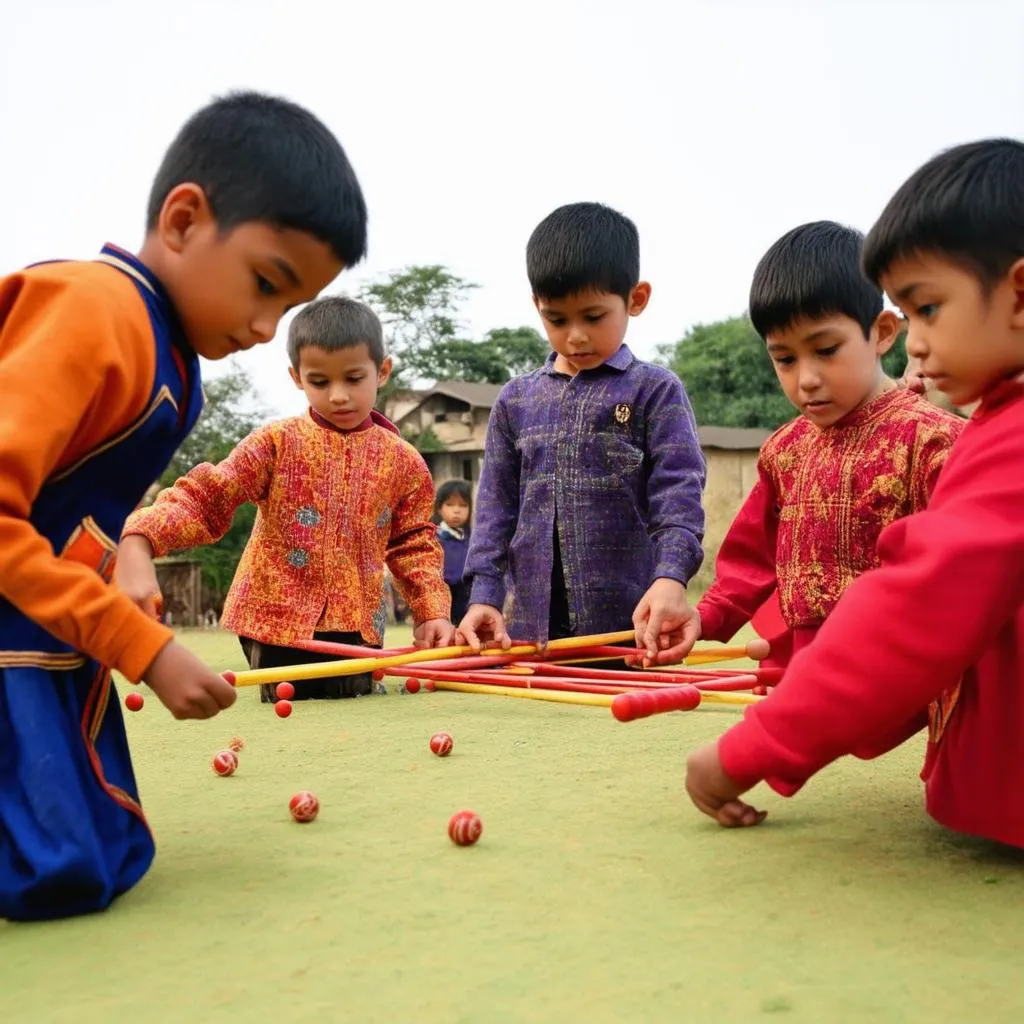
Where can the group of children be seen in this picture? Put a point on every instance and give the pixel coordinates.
(589, 509)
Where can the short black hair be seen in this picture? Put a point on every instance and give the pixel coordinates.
(580, 247)
(966, 204)
(813, 271)
(261, 158)
(334, 323)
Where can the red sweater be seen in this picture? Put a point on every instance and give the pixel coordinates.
(939, 626)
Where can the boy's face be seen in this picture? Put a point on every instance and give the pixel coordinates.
(231, 289)
(965, 341)
(587, 329)
(455, 511)
(342, 385)
(827, 368)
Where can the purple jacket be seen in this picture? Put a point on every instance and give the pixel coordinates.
(611, 459)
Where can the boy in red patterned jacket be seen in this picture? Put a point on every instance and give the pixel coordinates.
(339, 495)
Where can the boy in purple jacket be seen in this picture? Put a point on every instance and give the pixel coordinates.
(589, 509)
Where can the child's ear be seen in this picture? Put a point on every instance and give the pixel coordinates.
(638, 298)
(384, 373)
(885, 330)
(293, 373)
(185, 208)
(1016, 279)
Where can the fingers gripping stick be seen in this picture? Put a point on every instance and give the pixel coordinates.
(629, 706)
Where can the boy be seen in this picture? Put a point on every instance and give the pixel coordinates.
(863, 453)
(255, 208)
(949, 250)
(339, 495)
(589, 502)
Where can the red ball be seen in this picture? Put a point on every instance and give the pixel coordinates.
(378, 675)
(464, 828)
(283, 708)
(285, 691)
(237, 744)
(225, 762)
(441, 743)
(304, 806)
(430, 686)
(134, 701)
(412, 686)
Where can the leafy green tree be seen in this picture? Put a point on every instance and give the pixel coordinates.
(729, 376)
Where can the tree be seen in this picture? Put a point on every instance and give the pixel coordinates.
(729, 376)
(231, 412)
(419, 307)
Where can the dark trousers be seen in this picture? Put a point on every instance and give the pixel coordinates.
(460, 601)
(260, 655)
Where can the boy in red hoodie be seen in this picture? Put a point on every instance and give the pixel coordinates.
(949, 250)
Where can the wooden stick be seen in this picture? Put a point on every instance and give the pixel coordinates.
(356, 666)
(601, 700)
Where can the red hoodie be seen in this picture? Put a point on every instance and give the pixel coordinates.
(939, 626)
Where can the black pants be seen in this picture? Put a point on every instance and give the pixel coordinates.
(559, 626)
(260, 655)
(460, 601)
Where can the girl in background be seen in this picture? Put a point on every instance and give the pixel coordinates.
(453, 508)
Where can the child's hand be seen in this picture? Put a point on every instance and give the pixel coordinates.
(185, 686)
(715, 793)
(666, 626)
(434, 633)
(483, 623)
(135, 574)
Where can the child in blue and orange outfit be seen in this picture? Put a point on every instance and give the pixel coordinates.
(863, 453)
(453, 510)
(949, 250)
(255, 208)
(589, 506)
(339, 494)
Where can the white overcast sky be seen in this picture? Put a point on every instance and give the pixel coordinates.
(715, 126)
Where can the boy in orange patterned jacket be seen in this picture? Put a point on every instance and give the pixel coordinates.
(339, 495)
(863, 453)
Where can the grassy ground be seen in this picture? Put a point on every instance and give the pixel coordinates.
(596, 893)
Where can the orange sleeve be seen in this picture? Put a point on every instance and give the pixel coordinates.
(201, 505)
(76, 367)
(415, 556)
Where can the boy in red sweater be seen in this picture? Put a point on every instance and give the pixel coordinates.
(949, 250)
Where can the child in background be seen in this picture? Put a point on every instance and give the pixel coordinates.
(863, 453)
(254, 209)
(453, 510)
(949, 251)
(339, 494)
(589, 505)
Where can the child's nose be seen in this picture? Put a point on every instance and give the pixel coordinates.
(577, 334)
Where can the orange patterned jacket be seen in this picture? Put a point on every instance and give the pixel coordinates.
(333, 508)
(812, 520)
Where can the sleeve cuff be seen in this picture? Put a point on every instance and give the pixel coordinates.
(487, 590)
(131, 642)
(435, 604)
(712, 623)
(745, 759)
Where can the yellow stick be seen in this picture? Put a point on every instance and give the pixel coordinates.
(601, 700)
(356, 666)
(728, 697)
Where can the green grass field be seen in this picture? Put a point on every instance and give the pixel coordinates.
(597, 893)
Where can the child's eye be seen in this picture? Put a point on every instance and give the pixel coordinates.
(830, 351)
(556, 322)
(317, 383)
(783, 360)
(356, 380)
(929, 309)
(595, 318)
(264, 286)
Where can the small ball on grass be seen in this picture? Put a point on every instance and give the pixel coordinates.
(225, 762)
(282, 708)
(465, 828)
(441, 743)
(237, 744)
(412, 685)
(378, 675)
(430, 686)
(134, 701)
(304, 806)
(285, 691)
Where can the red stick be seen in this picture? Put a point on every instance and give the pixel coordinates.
(627, 707)
(705, 680)
(347, 650)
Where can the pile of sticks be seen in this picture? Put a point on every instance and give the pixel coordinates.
(551, 673)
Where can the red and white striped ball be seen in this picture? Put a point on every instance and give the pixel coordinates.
(304, 806)
(464, 828)
(441, 743)
(225, 762)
